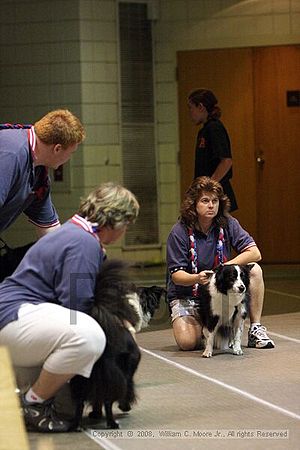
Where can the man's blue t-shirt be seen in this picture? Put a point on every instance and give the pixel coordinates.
(23, 187)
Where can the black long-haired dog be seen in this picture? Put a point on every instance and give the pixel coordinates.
(111, 379)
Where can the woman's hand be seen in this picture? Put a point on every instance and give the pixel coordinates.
(204, 276)
(188, 279)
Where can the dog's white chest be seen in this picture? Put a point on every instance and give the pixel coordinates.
(221, 304)
(224, 305)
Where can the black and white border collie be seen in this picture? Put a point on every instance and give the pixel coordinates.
(224, 305)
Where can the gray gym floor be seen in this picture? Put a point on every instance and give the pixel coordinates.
(185, 401)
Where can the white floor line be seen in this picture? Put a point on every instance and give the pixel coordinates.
(282, 336)
(284, 294)
(106, 444)
(224, 385)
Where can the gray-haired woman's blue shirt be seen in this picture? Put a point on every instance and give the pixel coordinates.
(61, 268)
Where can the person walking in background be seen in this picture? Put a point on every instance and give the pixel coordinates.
(213, 150)
(26, 153)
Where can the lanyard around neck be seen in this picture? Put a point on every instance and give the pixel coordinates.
(220, 258)
(85, 224)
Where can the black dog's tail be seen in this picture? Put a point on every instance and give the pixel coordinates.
(111, 302)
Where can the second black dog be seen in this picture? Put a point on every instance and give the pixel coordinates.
(10, 258)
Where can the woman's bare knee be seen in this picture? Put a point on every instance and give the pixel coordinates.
(187, 333)
(256, 272)
(185, 344)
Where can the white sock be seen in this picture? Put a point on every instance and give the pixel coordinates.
(254, 325)
(31, 397)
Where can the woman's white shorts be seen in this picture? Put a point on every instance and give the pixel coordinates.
(61, 340)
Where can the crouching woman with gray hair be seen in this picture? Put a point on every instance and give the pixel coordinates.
(45, 303)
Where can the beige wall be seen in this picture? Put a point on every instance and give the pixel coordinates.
(65, 54)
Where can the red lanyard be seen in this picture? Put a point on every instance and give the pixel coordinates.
(220, 258)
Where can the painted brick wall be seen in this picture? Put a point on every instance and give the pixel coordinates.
(40, 71)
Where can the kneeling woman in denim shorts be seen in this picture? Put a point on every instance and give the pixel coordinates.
(203, 238)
